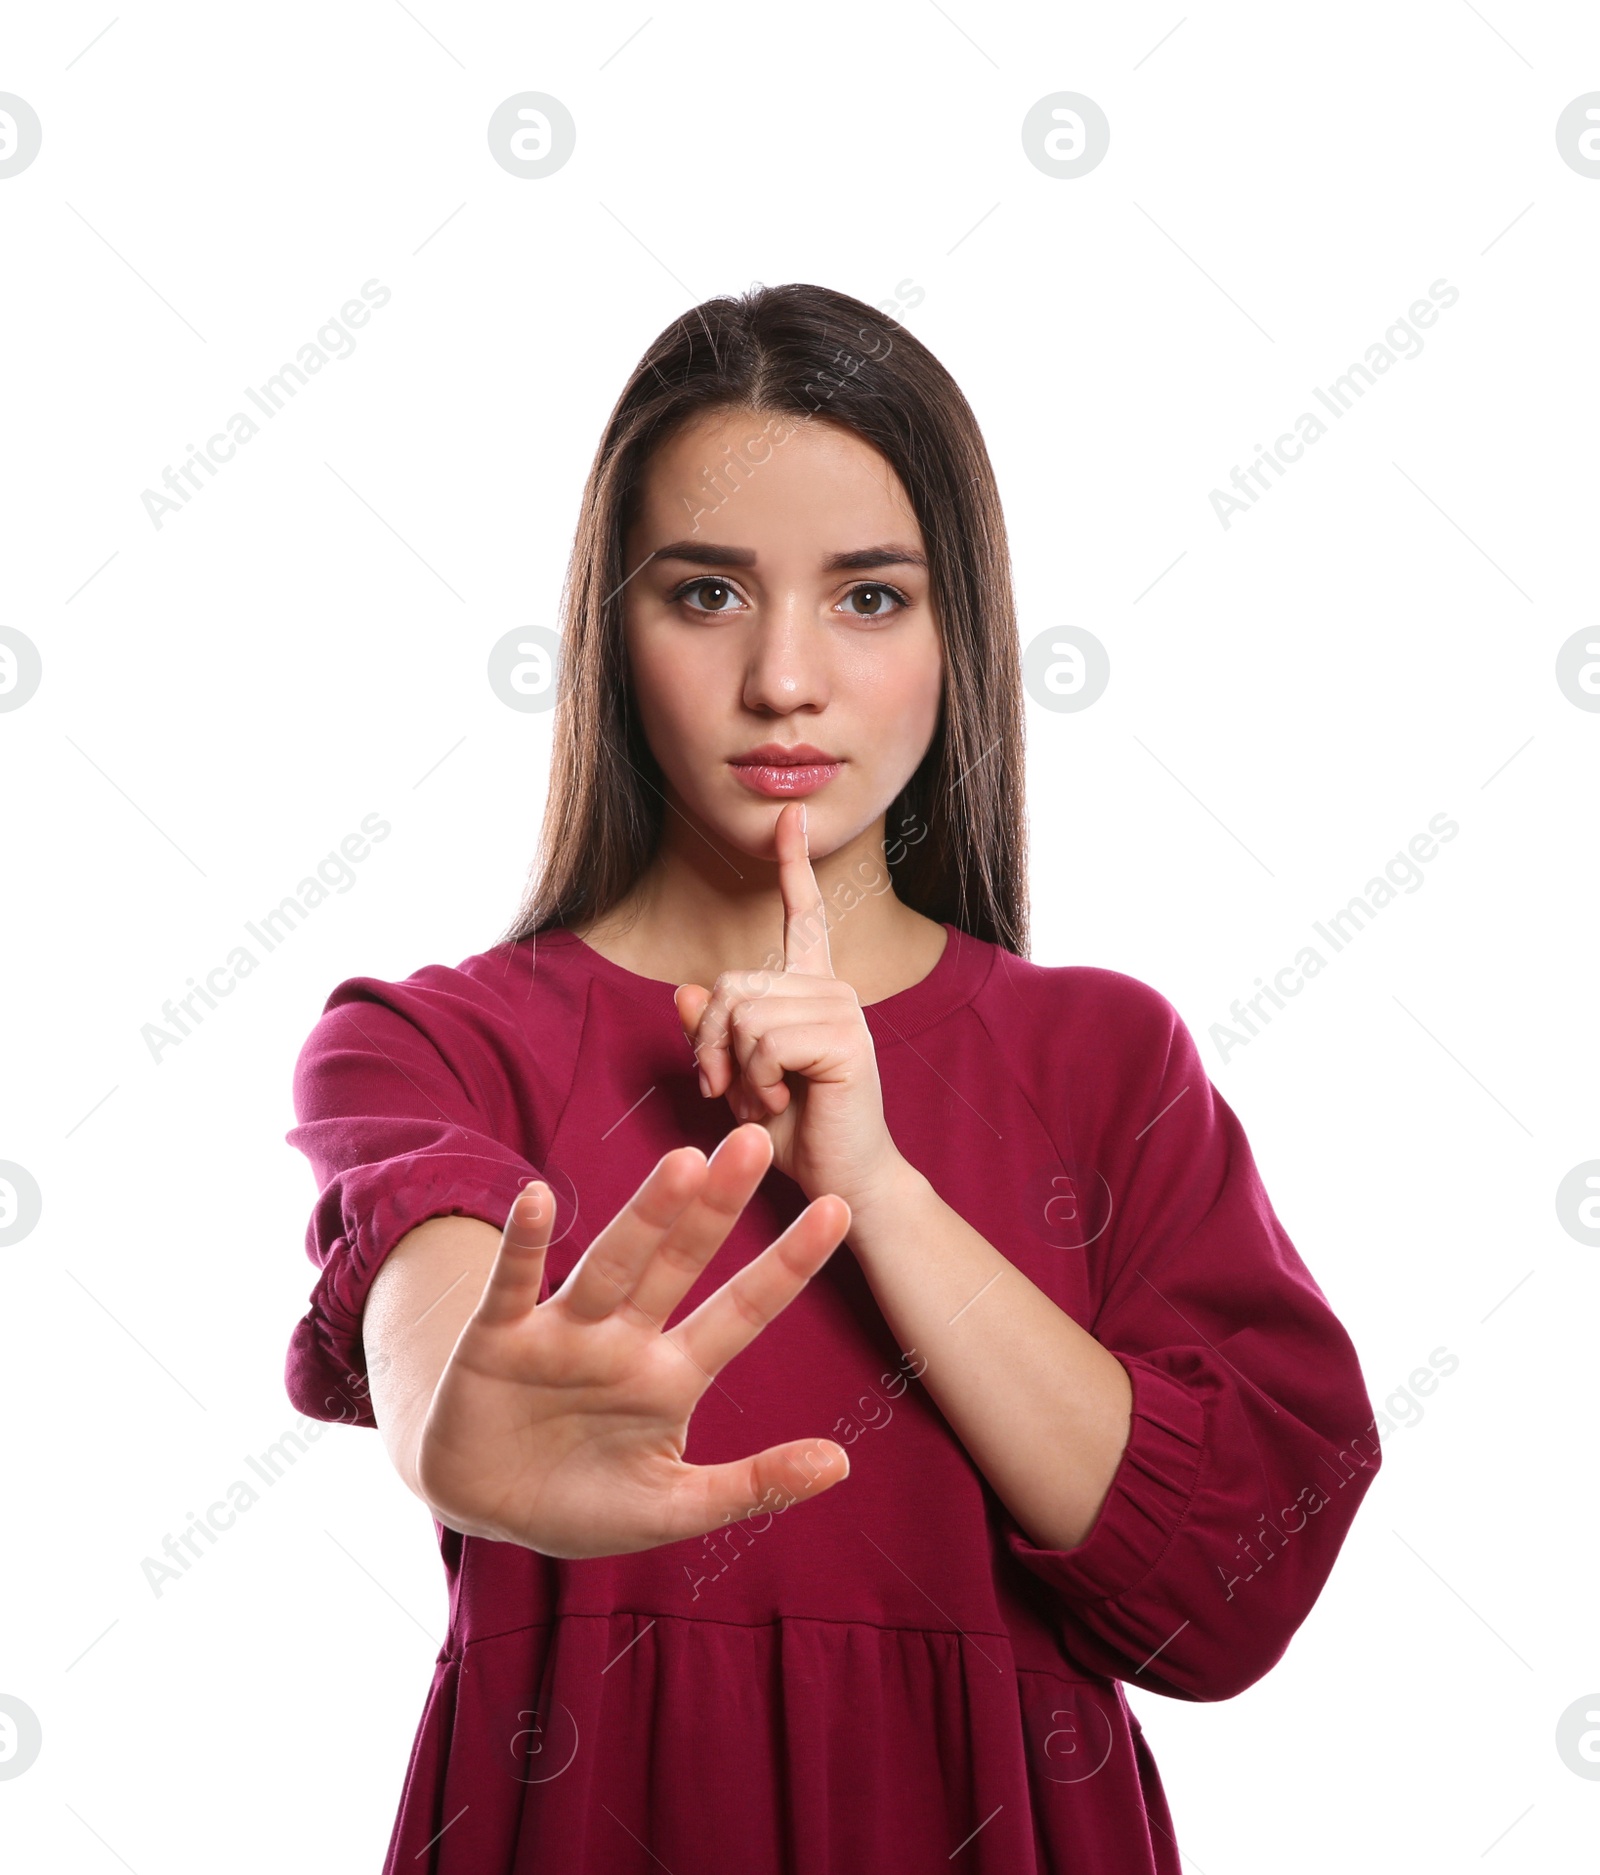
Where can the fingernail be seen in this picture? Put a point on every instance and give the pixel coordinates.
(803, 828)
(705, 1082)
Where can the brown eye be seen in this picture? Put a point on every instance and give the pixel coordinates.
(721, 593)
(875, 601)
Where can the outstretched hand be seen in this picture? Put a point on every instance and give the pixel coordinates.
(561, 1425)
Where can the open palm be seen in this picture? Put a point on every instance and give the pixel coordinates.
(561, 1425)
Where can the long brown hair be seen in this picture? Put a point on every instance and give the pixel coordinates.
(957, 833)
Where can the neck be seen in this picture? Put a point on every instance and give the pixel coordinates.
(702, 907)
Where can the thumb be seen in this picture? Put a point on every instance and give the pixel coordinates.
(768, 1483)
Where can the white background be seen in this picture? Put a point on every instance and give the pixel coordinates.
(1291, 699)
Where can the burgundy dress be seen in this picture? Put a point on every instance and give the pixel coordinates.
(890, 1677)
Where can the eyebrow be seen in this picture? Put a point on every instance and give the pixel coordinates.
(861, 559)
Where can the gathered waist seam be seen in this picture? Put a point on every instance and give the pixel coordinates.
(453, 1651)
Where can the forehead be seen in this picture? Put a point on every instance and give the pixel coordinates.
(771, 476)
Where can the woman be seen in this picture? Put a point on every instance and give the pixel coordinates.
(1068, 1411)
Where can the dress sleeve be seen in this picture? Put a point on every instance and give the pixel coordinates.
(1252, 1440)
(405, 1112)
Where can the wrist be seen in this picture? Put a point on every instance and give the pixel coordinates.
(888, 1204)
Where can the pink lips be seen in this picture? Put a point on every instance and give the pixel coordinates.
(785, 773)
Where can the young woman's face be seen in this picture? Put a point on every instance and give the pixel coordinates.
(781, 640)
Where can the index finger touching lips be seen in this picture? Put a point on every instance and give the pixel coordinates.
(805, 919)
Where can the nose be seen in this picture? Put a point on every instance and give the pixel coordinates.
(787, 667)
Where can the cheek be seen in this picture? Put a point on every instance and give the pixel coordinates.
(909, 696)
(666, 688)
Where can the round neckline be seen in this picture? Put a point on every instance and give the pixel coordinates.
(955, 976)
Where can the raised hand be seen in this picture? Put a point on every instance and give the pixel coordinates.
(791, 1049)
(561, 1425)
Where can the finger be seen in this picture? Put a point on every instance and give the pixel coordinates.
(691, 1000)
(748, 1301)
(809, 1026)
(755, 1106)
(759, 1088)
(737, 1167)
(818, 1051)
(604, 1277)
(761, 1487)
(647, 1265)
(708, 1038)
(713, 1036)
(805, 919)
(764, 1099)
(517, 1273)
(745, 1003)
